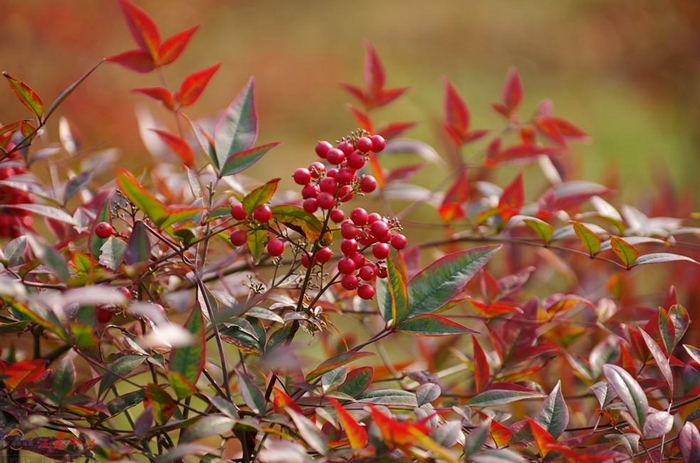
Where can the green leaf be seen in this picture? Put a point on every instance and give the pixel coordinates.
(297, 218)
(26, 95)
(624, 251)
(588, 238)
(177, 214)
(237, 128)
(335, 362)
(252, 395)
(138, 250)
(209, 425)
(554, 416)
(629, 391)
(48, 256)
(187, 362)
(65, 93)
(260, 195)
(125, 401)
(660, 258)
(238, 162)
(539, 226)
(63, 377)
(660, 358)
(47, 211)
(477, 438)
(122, 367)
(163, 405)
(75, 184)
(142, 198)
(441, 281)
(693, 352)
(495, 397)
(389, 397)
(681, 320)
(14, 251)
(224, 406)
(309, 432)
(394, 306)
(333, 378)
(42, 316)
(357, 381)
(427, 393)
(256, 243)
(112, 253)
(432, 325)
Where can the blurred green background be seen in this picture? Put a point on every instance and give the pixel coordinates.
(624, 71)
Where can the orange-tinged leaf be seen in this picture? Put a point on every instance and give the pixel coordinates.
(159, 94)
(451, 207)
(282, 401)
(627, 253)
(136, 60)
(357, 435)
(482, 372)
(456, 112)
(494, 309)
(500, 434)
(142, 27)
(172, 47)
(26, 95)
(335, 362)
(193, 85)
(492, 151)
(513, 195)
(16, 375)
(397, 433)
(362, 118)
(177, 144)
(163, 404)
(377, 170)
(543, 439)
(142, 198)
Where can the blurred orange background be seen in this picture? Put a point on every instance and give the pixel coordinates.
(627, 72)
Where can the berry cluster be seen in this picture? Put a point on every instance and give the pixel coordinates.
(13, 221)
(262, 214)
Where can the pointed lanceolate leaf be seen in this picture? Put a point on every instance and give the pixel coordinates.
(309, 432)
(49, 256)
(357, 435)
(205, 141)
(65, 93)
(437, 284)
(256, 243)
(193, 86)
(495, 397)
(252, 395)
(543, 439)
(112, 253)
(335, 362)
(177, 144)
(689, 442)
(357, 381)
(482, 371)
(188, 361)
(629, 391)
(75, 184)
(542, 228)
(163, 404)
(26, 95)
(374, 73)
(25, 372)
(206, 426)
(456, 113)
(173, 46)
(298, 219)
(660, 358)
(240, 161)
(47, 211)
(681, 320)
(136, 60)
(260, 195)
(142, 198)
(142, 27)
(138, 249)
(588, 238)
(451, 208)
(237, 128)
(660, 258)
(554, 416)
(432, 325)
(395, 305)
(693, 352)
(512, 91)
(159, 94)
(624, 250)
(64, 377)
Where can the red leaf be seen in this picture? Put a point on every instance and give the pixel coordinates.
(403, 173)
(527, 135)
(512, 91)
(136, 60)
(362, 118)
(194, 84)
(543, 439)
(458, 193)
(355, 91)
(397, 433)
(172, 47)
(281, 401)
(377, 170)
(387, 96)
(374, 75)
(513, 194)
(492, 151)
(142, 27)
(494, 309)
(474, 136)
(482, 373)
(159, 94)
(394, 129)
(22, 373)
(177, 144)
(558, 130)
(523, 152)
(457, 116)
(357, 435)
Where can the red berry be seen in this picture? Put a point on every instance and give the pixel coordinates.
(348, 230)
(323, 255)
(317, 169)
(262, 213)
(346, 266)
(309, 191)
(346, 147)
(322, 148)
(382, 272)
(356, 160)
(359, 259)
(364, 144)
(331, 172)
(275, 247)
(6, 172)
(124, 291)
(398, 241)
(366, 238)
(325, 200)
(305, 261)
(373, 217)
(348, 247)
(337, 215)
(335, 156)
(237, 212)
(349, 282)
(103, 315)
(302, 176)
(359, 216)
(380, 250)
(365, 291)
(345, 176)
(103, 230)
(328, 185)
(378, 143)
(368, 184)
(345, 193)
(379, 228)
(238, 237)
(367, 272)
(310, 205)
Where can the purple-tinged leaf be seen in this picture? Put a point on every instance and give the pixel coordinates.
(205, 141)
(120, 368)
(47, 211)
(477, 438)
(144, 422)
(431, 325)
(75, 184)
(237, 127)
(660, 358)
(689, 442)
(47, 255)
(604, 392)
(309, 432)
(138, 249)
(681, 320)
(658, 424)
(252, 395)
(629, 391)
(427, 393)
(63, 377)
(494, 397)
(26, 95)
(660, 258)
(208, 425)
(553, 416)
(693, 352)
(240, 161)
(389, 397)
(444, 279)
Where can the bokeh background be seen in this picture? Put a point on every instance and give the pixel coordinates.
(625, 71)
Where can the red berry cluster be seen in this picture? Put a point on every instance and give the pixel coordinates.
(262, 214)
(13, 221)
(326, 189)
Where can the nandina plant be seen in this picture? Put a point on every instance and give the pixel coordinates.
(180, 313)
